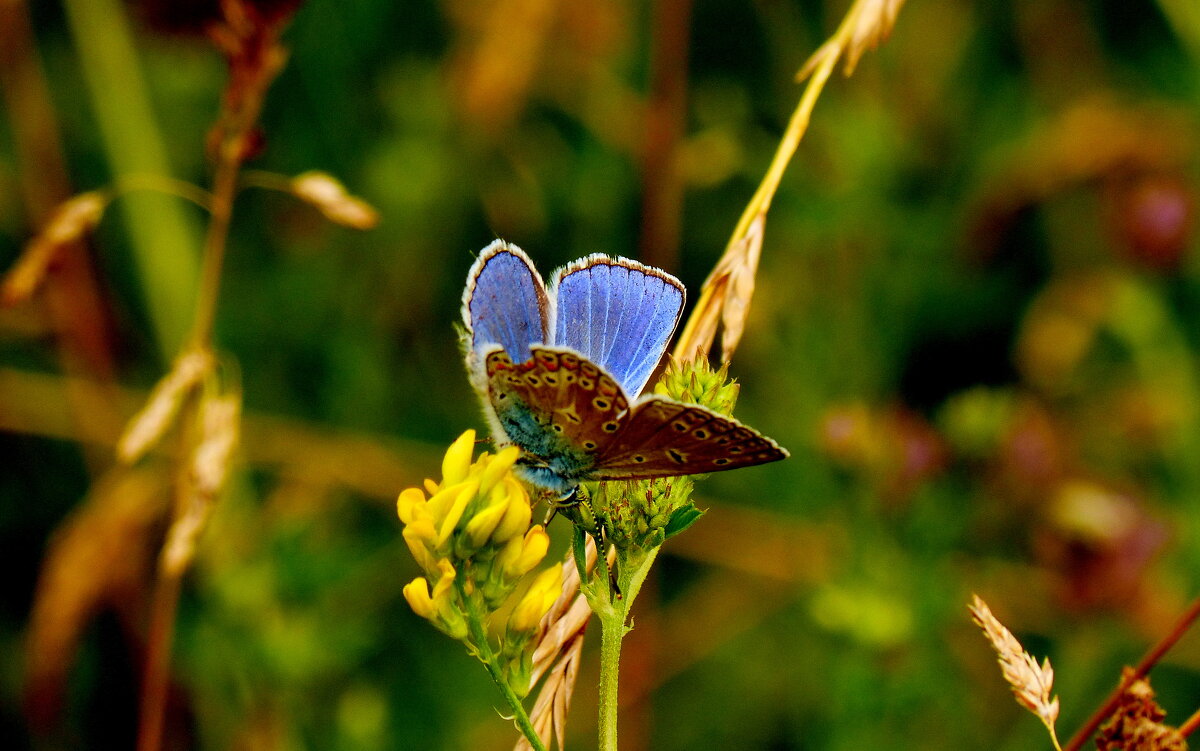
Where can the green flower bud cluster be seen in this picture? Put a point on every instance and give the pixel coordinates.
(644, 513)
(472, 538)
(697, 383)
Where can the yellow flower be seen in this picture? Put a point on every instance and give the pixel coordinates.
(518, 513)
(417, 594)
(483, 524)
(522, 554)
(418, 535)
(465, 494)
(541, 595)
(497, 466)
(458, 459)
(470, 534)
(483, 498)
(441, 607)
(410, 503)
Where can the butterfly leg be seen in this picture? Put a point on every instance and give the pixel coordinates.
(568, 500)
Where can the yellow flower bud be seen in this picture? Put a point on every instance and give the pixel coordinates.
(481, 526)
(537, 600)
(520, 555)
(418, 535)
(446, 575)
(499, 464)
(518, 514)
(431, 487)
(410, 500)
(465, 494)
(458, 459)
(417, 594)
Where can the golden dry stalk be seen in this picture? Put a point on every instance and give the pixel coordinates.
(725, 298)
(867, 24)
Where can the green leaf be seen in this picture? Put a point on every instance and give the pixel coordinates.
(682, 518)
(579, 551)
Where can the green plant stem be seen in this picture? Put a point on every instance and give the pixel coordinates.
(483, 649)
(613, 613)
(612, 632)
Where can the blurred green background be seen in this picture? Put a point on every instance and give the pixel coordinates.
(975, 328)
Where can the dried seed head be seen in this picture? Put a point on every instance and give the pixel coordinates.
(868, 24)
(1031, 683)
(725, 297)
(220, 421)
(1136, 723)
(328, 196)
(872, 26)
(71, 220)
(158, 414)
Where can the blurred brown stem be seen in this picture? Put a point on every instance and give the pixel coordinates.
(158, 660)
(166, 589)
(662, 183)
(1148, 661)
(224, 188)
(1189, 725)
(250, 75)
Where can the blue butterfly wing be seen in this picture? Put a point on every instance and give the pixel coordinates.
(505, 302)
(617, 313)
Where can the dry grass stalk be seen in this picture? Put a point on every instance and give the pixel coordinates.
(70, 221)
(560, 642)
(867, 24)
(549, 715)
(726, 294)
(322, 191)
(1031, 683)
(149, 425)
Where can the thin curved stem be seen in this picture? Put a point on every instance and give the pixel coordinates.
(266, 180)
(483, 648)
(687, 343)
(162, 184)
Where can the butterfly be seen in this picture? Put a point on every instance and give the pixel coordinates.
(561, 366)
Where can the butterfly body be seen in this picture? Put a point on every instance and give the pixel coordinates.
(560, 369)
